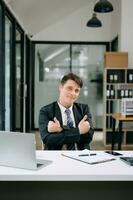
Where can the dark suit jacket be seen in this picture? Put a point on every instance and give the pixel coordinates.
(68, 136)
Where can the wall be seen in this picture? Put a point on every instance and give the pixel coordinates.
(116, 19)
(73, 27)
(126, 43)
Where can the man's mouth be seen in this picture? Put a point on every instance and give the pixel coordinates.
(71, 97)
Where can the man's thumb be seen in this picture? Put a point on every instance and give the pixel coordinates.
(84, 118)
(55, 120)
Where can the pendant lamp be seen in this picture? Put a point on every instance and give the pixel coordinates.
(103, 6)
(94, 22)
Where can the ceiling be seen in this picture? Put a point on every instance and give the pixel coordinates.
(37, 15)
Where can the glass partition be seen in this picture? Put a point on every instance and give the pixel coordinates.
(88, 63)
(8, 53)
(11, 71)
(18, 80)
(51, 63)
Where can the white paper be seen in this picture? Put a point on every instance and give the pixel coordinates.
(90, 157)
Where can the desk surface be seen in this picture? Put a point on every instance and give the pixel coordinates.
(120, 117)
(66, 169)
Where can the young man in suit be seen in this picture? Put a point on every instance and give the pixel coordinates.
(65, 121)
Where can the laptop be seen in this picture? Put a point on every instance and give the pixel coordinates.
(18, 149)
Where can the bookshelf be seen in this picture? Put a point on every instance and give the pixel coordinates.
(118, 84)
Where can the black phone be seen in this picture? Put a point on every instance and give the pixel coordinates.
(128, 160)
(114, 153)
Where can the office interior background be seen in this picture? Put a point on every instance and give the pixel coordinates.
(42, 40)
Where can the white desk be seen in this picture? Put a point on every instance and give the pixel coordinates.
(66, 169)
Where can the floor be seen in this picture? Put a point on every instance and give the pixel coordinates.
(97, 143)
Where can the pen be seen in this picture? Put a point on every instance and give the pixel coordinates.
(91, 154)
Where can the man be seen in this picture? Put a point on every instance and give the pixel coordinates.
(64, 121)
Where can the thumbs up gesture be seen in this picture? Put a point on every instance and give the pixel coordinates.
(56, 121)
(54, 126)
(84, 125)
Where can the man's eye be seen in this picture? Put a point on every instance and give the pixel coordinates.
(69, 88)
(76, 91)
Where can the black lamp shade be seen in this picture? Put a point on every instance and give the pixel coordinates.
(94, 22)
(103, 6)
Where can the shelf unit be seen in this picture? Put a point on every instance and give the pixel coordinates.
(118, 84)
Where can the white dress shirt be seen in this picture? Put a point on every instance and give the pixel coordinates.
(64, 116)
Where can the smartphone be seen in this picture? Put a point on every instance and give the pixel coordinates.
(114, 153)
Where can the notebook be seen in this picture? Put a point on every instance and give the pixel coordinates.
(19, 150)
(128, 160)
(89, 157)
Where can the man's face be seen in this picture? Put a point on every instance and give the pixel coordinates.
(69, 92)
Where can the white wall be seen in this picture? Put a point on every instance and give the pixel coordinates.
(73, 27)
(126, 42)
(116, 19)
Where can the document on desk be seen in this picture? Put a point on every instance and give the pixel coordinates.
(90, 157)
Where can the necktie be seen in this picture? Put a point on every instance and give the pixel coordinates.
(69, 119)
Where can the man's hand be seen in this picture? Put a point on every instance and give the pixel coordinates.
(84, 125)
(54, 126)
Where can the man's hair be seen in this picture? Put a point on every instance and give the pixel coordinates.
(73, 77)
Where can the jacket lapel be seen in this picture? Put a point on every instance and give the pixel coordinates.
(57, 113)
(76, 115)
